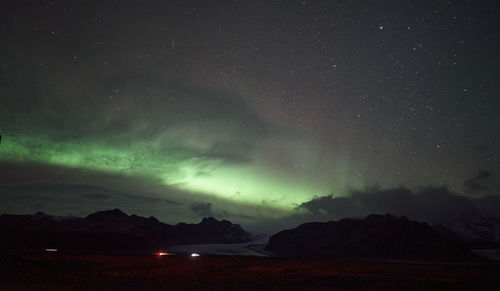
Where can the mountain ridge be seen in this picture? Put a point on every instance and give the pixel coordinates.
(385, 237)
(111, 230)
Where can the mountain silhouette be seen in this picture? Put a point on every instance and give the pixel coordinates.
(111, 230)
(374, 237)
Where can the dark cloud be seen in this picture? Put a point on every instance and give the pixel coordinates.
(227, 158)
(429, 204)
(483, 175)
(341, 206)
(482, 148)
(209, 209)
(55, 187)
(74, 192)
(126, 108)
(202, 209)
(118, 115)
(489, 205)
(239, 216)
(474, 185)
(98, 196)
(478, 182)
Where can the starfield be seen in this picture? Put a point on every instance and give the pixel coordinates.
(199, 144)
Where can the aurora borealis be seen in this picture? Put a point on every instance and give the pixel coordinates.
(250, 108)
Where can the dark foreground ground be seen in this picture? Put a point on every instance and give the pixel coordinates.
(58, 271)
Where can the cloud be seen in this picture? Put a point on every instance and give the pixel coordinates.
(478, 182)
(130, 108)
(341, 206)
(482, 148)
(489, 205)
(98, 196)
(123, 119)
(227, 158)
(78, 192)
(207, 209)
(429, 204)
(202, 209)
(68, 191)
(483, 175)
(58, 192)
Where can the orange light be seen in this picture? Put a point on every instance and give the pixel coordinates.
(163, 254)
(51, 250)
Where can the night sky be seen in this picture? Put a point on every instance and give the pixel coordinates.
(244, 110)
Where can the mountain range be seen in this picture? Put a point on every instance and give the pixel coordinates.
(111, 230)
(384, 237)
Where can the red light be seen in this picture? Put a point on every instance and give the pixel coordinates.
(51, 250)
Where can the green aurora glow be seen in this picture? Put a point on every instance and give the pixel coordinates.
(250, 109)
(183, 170)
